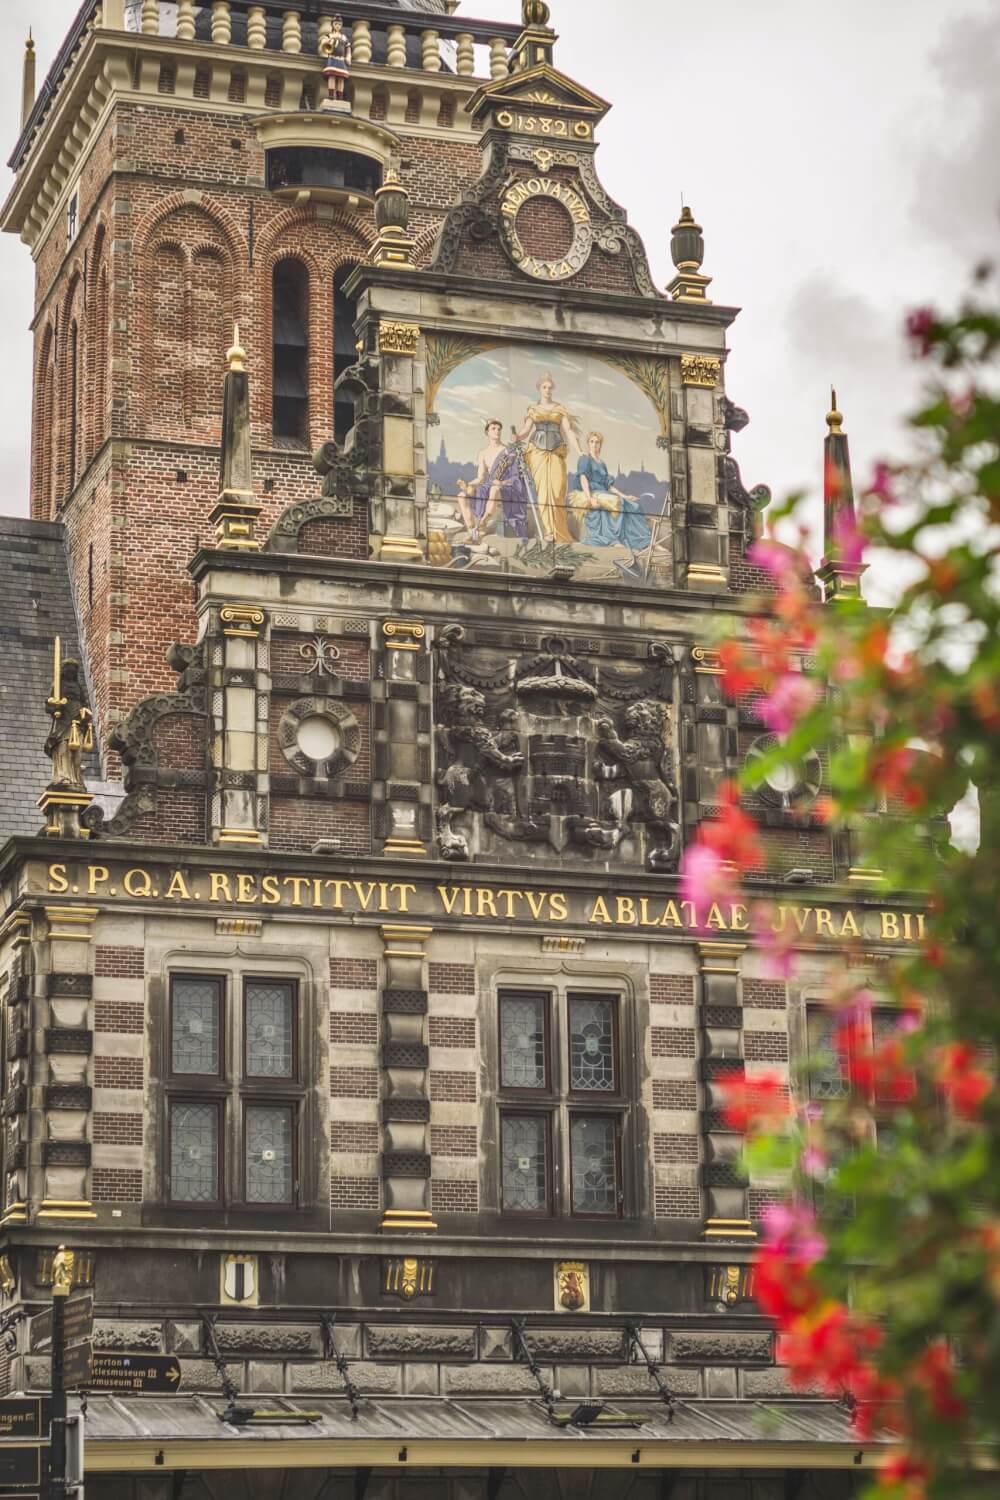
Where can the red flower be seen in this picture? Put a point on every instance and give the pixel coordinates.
(964, 1083)
(757, 1104)
(935, 1373)
(733, 835)
(907, 1476)
(895, 769)
(741, 673)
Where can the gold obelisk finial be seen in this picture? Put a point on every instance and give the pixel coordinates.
(236, 357)
(834, 418)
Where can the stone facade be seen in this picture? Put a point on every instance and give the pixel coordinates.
(366, 1015)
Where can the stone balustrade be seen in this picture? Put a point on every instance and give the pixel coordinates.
(447, 47)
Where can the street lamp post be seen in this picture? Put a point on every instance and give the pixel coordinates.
(62, 1285)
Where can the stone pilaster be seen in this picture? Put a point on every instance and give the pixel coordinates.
(709, 735)
(402, 509)
(59, 1151)
(16, 963)
(721, 1017)
(402, 790)
(706, 517)
(406, 1106)
(239, 689)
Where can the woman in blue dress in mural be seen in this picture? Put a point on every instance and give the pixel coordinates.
(607, 517)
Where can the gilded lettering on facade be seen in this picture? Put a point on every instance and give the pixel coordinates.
(576, 257)
(478, 903)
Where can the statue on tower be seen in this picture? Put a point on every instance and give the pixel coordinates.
(336, 48)
(72, 729)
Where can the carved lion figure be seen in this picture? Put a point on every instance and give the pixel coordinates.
(642, 760)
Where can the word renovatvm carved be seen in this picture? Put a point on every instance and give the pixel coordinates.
(552, 750)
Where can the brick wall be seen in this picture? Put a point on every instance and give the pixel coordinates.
(765, 1046)
(675, 1148)
(116, 1185)
(675, 1093)
(457, 1088)
(118, 1072)
(674, 989)
(454, 1140)
(673, 1041)
(454, 1197)
(299, 823)
(119, 1015)
(452, 1031)
(353, 1029)
(354, 973)
(353, 661)
(354, 1083)
(677, 1203)
(119, 963)
(354, 1192)
(354, 1136)
(114, 1129)
(452, 979)
(763, 994)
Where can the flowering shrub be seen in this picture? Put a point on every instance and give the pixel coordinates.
(882, 1267)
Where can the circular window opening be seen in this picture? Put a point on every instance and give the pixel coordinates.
(783, 779)
(318, 738)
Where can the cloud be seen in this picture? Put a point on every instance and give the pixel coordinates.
(958, 197)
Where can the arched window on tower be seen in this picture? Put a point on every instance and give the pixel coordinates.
(345, 313)
(290, 358)
(72, 405)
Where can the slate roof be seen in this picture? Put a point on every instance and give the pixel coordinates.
(35, 605)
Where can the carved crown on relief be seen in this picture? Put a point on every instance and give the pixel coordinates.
(546, 751)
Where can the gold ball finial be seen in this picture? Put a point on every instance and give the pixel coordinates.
(535, 13)
(834, 418)
(236, 357)
(29, 45)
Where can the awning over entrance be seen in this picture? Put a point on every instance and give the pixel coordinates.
(138, 1433)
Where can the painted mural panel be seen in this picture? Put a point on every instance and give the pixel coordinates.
(543, 459)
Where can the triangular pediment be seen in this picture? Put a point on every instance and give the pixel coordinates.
(540, 88)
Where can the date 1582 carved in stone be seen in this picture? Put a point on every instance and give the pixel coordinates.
(551, 750)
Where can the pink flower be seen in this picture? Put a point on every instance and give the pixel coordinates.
(921, 326)
(781, 562)
(849, 544)
(813, 1161)
(881, 487)
(776, 942)
(791, 698)
(706, 879)
(791, 1228)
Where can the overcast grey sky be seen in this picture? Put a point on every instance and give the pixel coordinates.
(843, 159)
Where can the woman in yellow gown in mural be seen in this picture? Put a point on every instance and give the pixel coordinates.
(552, 436)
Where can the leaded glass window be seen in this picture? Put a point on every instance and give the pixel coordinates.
(592, 1044)
(525, 1164)
(594, 1164)
(269, 1166)
(269, 1020)
(194, 1153)
(828, 1069)
(196, 1026)
(523, 1061)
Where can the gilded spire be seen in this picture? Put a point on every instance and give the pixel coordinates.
(28, 80)
(236, 357)
(843, 562)
(834, 418)
(237, 508)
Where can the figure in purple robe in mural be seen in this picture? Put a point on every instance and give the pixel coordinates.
(498, 498)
